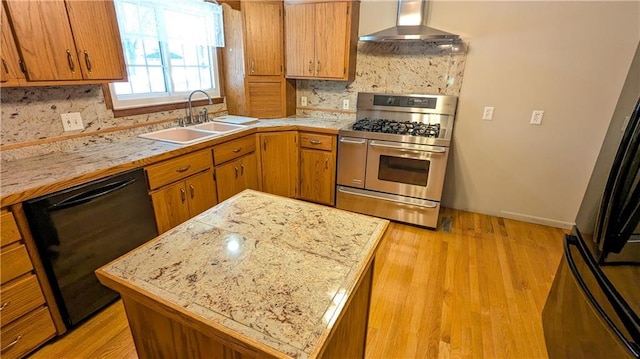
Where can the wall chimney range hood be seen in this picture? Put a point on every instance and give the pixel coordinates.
(411, 25)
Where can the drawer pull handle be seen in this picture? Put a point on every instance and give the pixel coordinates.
(183, 169)
(264, 145)
(6, 68)
(72, 66)
(326, 163)
(183, 195)
(242, 169)
(315, 142)
(318, 68)
(12, 344)
(236, 168)
(309, 67)
(4, 305)
(192, 191)
(87, 60)
(236, 150)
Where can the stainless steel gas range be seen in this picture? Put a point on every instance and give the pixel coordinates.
(392, 162)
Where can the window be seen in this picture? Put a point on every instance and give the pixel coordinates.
(170, 50)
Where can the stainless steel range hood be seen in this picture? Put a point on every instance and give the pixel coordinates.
(411, 25)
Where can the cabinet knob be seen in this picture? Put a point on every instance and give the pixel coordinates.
(183, 195)
(87, 60)
(72, 65)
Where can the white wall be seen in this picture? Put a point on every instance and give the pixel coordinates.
(567, 58)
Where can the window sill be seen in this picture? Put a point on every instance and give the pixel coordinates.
(154, 108)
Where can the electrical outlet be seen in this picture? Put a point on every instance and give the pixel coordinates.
(72, 121)
(345, 104)
(536, 117)
(488, 113)
(303, 101)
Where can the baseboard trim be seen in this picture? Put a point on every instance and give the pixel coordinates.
(538, 220)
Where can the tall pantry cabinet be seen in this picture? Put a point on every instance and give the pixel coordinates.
(268, 93)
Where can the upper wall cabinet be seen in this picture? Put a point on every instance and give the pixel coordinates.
(321, 39)
(11, 70)
(68, 40)
(263, 34)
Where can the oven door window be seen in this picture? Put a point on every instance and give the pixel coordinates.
(404, 170)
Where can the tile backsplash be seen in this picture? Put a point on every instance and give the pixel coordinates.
(409, 67)
(33, 113)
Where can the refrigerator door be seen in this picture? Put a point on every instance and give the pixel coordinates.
(583, 317)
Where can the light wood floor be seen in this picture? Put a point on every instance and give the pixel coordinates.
(475, 292)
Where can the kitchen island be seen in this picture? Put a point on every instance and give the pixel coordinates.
(255, 276)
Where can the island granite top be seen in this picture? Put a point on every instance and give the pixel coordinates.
(271, 269)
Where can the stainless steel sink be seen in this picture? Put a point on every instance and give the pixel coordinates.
(217, 127)
(180, 135)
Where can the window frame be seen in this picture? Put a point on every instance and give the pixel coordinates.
(151, 104)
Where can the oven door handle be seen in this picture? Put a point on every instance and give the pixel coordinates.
(407, 148)
(354, 193)
(356, 142)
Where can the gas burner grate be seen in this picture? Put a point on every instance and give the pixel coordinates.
(408, 128)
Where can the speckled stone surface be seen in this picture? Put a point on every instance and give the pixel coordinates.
(394, 67)
(272, 269)
(21, 172)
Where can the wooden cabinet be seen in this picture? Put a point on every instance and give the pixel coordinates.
(318, 168)
(181, 188)
(26, 319)
(236, 166)
(264, 46)
(236, 176)
(279, 163)
(86, 45)
(266, 93)
(321, 39)
(11, 71)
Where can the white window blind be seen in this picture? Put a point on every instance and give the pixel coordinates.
(169, 49)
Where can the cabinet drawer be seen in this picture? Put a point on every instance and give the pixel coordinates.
(316, 141)
(9, 232)
(178, 168)
(15, 262)
(22, 336)
(233, 149)
(20, 298)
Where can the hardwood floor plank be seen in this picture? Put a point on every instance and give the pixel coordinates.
(474, 292)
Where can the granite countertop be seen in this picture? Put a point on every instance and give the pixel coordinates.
(38, 175)
(271, 269)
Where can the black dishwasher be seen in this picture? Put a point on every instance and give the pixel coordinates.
(85, 227)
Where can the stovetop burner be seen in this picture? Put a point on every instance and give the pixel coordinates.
(408, 128)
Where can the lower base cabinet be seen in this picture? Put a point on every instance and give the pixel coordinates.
(235, 176)
(279, 161)
(318, 176)
(180, 201)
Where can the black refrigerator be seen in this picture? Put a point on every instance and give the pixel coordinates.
(593, 307)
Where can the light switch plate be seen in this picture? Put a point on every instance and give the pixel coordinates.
(72, 121)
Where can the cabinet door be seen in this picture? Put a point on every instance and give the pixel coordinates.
(201, 190)
(97, 39)
(299, 34)
(279, 155)
(228, 179)
(317, 176)
(263, 36)
(44, 39)
(249, 172)
(170, 206)
(10, 59)
(332, 39)
(264, 99)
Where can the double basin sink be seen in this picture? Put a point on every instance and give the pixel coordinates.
(192, 134)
